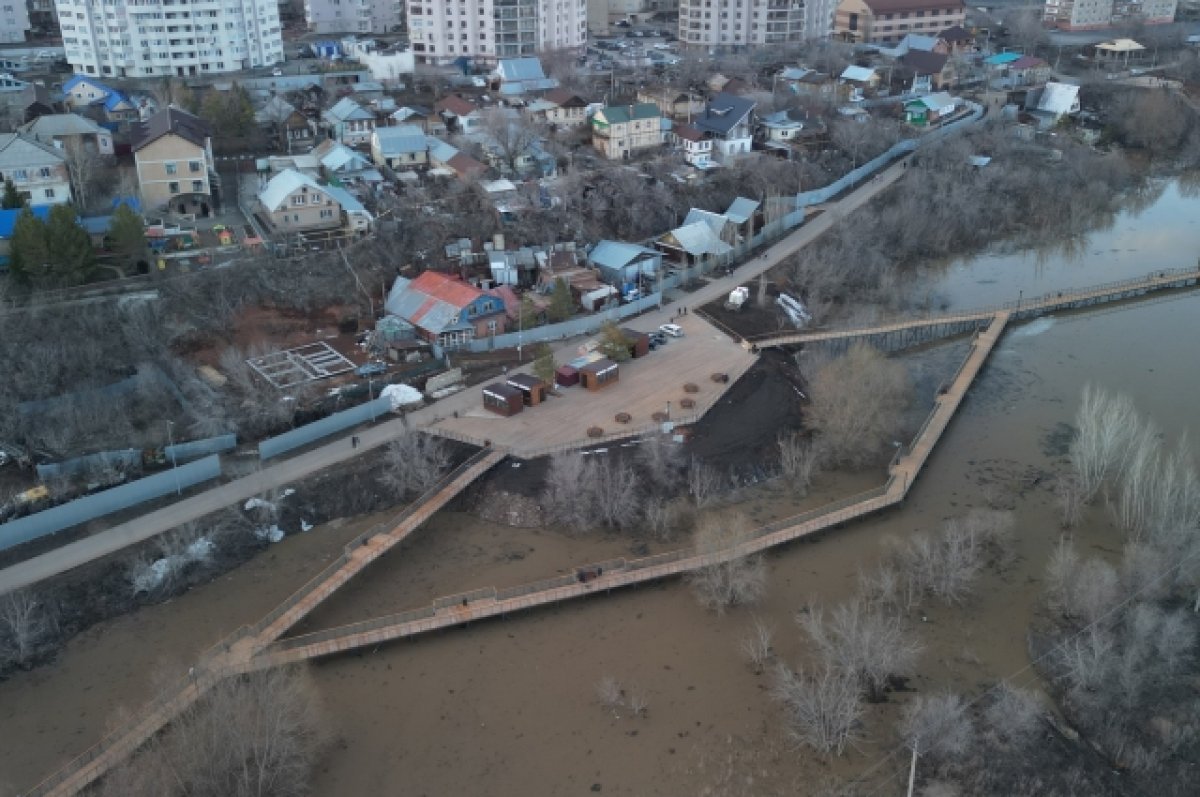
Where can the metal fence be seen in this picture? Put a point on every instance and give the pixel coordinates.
(565, 329)
(82, 510)
(194, 449)
(312, 432)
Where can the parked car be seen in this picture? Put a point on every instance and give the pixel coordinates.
(674, 330)
(371, 369)
(657, 339)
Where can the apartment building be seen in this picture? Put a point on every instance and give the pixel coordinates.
(139, 38)
(889, 21)
(1099, 14)
(604, 14)
(14, 21)
(742, 23)
(353, 16)
(442, 31)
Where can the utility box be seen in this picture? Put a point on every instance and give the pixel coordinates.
(502, 399)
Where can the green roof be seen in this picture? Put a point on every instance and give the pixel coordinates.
(619, 114)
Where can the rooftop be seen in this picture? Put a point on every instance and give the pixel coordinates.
(281, 186)
(172, 121)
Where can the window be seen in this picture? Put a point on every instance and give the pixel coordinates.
(299, 199)
(173, 187)
(45, 171)
(197, 186)
(194, 167)
(170, 167)
(326, 213)
(20, 174)
(49, 193)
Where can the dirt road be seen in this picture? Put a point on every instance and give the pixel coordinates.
(295, 468)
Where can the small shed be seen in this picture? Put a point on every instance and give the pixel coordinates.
(566, 376)
(502, 399)
(639, 342)
(533, 389)
(599, 374)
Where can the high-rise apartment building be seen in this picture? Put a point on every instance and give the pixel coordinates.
(603, 14)
(742, 23)
(353, 16)
(142, 38)
(14, 21)
(487, 30)
(1099, 14)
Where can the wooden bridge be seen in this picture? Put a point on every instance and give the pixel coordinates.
(262, 646)
(899, 334)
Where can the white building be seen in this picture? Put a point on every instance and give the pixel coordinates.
(14, 21)
(602, 14)
(353, 16)
(742, 23)
(1098, 14)
(39, 171)
(138, 38)
(487, 30)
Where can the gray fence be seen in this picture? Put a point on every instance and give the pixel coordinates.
(566, 329)
(123, 459)
(312, 432)
(82, 510)
(194, 449)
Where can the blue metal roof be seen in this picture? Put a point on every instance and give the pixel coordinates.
(401, 139)
(8, 218)
(617, 254)
(1000, 59)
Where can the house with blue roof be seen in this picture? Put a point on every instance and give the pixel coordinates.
(355, 216)
(622, 264)
(339, 162)
(349, 122)
(513, 77)
(8, 220)
(400, 147)
(86, 93)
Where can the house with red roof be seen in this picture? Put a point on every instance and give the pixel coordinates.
(445, 310)
(460, 114)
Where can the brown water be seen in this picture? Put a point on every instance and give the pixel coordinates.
(508, 707)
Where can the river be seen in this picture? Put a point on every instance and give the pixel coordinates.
(508, 707)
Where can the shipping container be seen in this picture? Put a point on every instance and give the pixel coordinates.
(502, 399)
(599, 374)
(533, 389)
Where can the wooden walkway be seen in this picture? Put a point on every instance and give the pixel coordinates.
(955, 323)
(455, 610)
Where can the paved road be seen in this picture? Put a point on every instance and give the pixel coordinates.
(294, 469)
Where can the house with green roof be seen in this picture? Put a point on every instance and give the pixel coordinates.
(623, 131)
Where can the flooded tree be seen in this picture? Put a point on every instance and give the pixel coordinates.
(937, 726)
(26, 625)
(824, 709)
(863, 641)
(732, 581)
(858, 404)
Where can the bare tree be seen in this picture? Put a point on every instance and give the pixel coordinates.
(512, 135)
(937, 727)
(732, 580)
(823, 709)
(798, 460)
(566, 474)
(1083, 590)
(858, 404)
(663, 517)
(703, 483)
(412, 463)
(862, 641)
(1068, 496)
(1013, 715)
(662, 460)
(26, 624)
(251, 736)
(612, 492)
(757, 644)
(83, 168)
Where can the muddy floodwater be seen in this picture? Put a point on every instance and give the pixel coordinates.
(508, 707)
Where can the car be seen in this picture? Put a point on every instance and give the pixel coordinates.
(674, 330)
(371, 369)
(658, 339)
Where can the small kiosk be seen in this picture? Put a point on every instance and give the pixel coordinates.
(599, 374)
(502, 399)
(533, 389)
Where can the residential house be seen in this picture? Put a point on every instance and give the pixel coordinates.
(695, 243)
(1028, 70)
(746, 216)
(337, 161)
(623, 131)
(444, 310)
(930, 109)
(295, 202)
(804, 82)
(728, 120)
(400, 147)
(460, 115)
(39, 171)
(675, 103)
(929, 71)
(87, 95)
(956, 40)
(781, 127)
(80, 91)
(1052, 102)
(565, 265)
(355, 216)
(697, 146)
(858, 82)
(625, 265)
(349, 122)
(293, 130)
(513, 77)
(719, 83)
(172, 151)
(889, 21)
(416, 115)
(62, 129)
(35, 100)
(564, 108)
(447, 160)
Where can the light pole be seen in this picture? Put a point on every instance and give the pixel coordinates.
(174, 460)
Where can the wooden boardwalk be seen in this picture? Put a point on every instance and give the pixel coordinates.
(954, 323)
(455, 610)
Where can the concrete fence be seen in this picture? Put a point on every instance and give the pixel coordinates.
(82, 510)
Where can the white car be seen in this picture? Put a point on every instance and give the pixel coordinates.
(674, 330)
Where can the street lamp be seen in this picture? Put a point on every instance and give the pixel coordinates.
(174, 459)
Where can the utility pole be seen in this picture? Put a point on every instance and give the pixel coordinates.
(912, 772)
